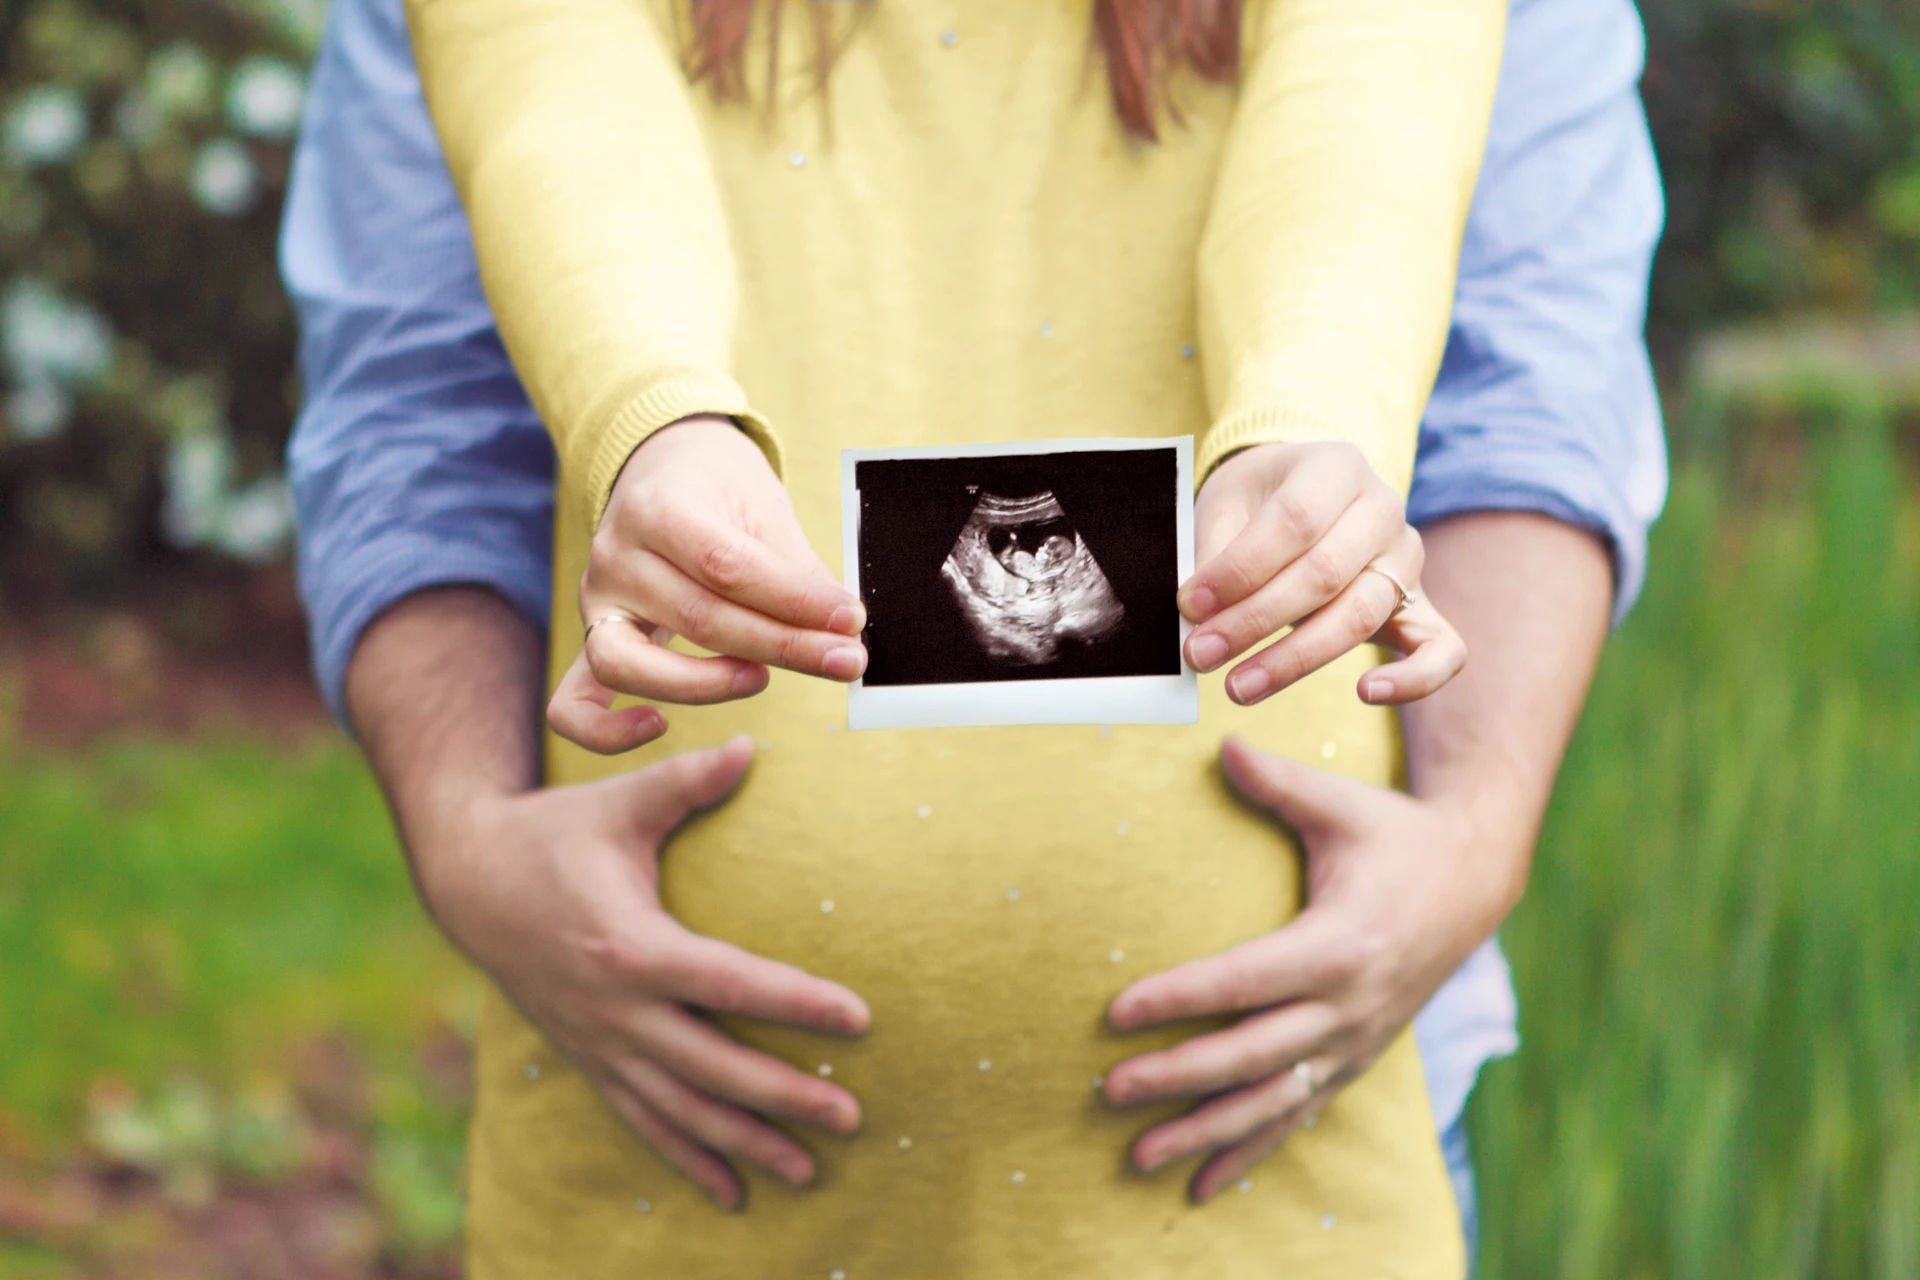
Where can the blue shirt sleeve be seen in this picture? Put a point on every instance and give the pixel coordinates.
(416, 460)
(1545, 400)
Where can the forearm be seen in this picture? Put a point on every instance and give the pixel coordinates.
(600, 234)
(1531, 597)
(444, 690)
(1326, 271)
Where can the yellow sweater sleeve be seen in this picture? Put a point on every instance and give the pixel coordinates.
(568, 131)
(1327, 266)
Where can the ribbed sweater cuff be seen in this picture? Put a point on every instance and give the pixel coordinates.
(666, 401)
(1293, 424)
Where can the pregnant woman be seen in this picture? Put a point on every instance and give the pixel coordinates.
(950, 960)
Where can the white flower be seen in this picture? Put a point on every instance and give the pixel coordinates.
(195, 491)
(223, 178)
(258, 521)
(49, 338)
(180, 80)
(37, 411)
(46, 126)
(264, 97)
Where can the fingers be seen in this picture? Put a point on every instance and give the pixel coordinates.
(1255, 1048)
(1436, 653)
(716, 623)
(700, 1054)
(661, 795)
(716, 1125)
(1348, 620)
(781, 584)
(623, 657)
(698, 1165)
(1309, 800)
(1294, 516)
(1308, 957)
(1295, 589)
(581, 712)
(716, 975)
(1229, 1166)
(1230, 1118)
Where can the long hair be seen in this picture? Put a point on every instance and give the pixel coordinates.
(1142, 41)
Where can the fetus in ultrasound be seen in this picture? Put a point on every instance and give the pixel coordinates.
(1026, 583)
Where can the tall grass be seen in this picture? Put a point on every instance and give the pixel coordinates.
(1719, 955)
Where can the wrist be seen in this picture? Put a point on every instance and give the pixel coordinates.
(1489, 835)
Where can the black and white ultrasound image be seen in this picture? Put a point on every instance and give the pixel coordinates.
(1020, 567)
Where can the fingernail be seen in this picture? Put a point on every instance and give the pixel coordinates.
(848, 619)
(1208, 650)
(747, 680)
(845, 663)
(1249, 685)
(1198, 603)
(798, 1172)
(1379, 689)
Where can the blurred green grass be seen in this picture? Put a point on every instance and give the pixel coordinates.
(1717, 959)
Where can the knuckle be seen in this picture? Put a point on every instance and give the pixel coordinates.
(612, 958)
(603, 558)
(1248, 1062)
(1293, 515)
(789, 650)
(723, 564)
(1350, 457)
(694, 616)
(1286, 663)
(1371, 611)
(1323, 571)
(730, 990)
(1241, 987)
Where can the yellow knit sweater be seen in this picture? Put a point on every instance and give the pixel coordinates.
(955, 242)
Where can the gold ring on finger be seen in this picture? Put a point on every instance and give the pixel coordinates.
(609, 617)
(1407, 598)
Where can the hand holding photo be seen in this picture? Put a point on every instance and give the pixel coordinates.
(1029, 583)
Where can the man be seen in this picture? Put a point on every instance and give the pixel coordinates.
(425, 482)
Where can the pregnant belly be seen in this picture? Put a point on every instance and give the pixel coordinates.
(988, 892)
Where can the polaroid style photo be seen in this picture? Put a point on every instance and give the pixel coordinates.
(1028, 583)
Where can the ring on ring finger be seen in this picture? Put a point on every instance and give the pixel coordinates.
(606, 617)
(1407, 598)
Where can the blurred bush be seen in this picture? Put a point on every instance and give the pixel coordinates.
(1787, 139)
(145, 345)
(146, 350)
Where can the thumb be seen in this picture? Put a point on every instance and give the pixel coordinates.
(664, 794)
(1307, 799)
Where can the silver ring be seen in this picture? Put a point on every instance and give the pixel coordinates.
(610, 617)
(1407, 598)
(1303, 1070)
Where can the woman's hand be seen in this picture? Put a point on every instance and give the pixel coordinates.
(1287, 534)
(554, 894)
(1387, 920)
(698, 539)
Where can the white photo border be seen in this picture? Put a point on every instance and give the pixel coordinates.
(1161, 699)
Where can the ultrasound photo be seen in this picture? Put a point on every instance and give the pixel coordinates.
(1014, 584)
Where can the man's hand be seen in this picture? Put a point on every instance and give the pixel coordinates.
(553, 894)
(698, 539)
(1388, 918)
(1287, 533)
